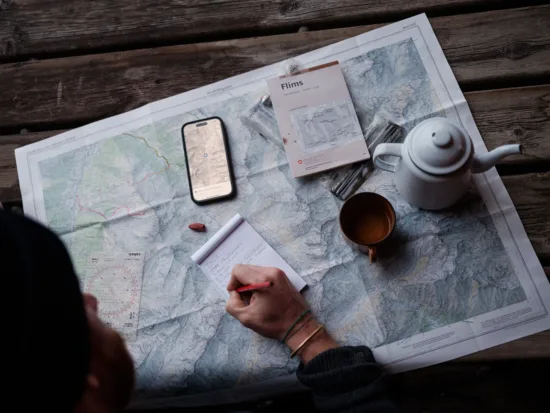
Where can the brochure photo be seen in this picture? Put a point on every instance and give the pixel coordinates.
(317, 120)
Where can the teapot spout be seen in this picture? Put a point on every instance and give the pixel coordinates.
(486, 161)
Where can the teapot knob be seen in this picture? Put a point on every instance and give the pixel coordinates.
(442, 138)
(438, 146)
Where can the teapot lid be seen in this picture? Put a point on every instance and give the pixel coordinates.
(438, 146)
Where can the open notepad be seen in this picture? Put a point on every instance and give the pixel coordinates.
(238, 243)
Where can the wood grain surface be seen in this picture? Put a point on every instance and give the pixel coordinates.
(482, 48)
(37, 27)
(532, 201)
(515, 115)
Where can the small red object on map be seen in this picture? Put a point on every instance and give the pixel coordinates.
(198, 227)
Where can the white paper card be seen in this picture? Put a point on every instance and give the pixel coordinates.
(238, 243)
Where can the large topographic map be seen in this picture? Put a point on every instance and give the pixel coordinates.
(128, 191)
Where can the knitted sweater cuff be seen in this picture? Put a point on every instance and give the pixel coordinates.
(343, 368)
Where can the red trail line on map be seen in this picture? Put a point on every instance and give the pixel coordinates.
(145, 178)
(105, 216)
(149, 175)
(152, 173)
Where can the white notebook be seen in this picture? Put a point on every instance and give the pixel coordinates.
(238, 243)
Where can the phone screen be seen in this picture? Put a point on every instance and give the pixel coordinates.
(207, 159)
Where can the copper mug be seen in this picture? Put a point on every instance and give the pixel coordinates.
(367, 220)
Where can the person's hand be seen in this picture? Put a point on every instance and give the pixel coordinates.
(271, 311)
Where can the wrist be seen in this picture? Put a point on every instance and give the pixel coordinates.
(300, 319)
(318, 344)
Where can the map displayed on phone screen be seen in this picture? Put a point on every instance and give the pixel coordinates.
(206, 154)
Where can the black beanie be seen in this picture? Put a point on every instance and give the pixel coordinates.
(46, 331)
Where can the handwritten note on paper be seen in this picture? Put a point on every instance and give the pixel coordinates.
(238, 243)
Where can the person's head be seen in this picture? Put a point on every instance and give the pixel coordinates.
(60, 356)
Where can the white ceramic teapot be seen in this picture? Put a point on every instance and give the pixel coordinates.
(436, 163)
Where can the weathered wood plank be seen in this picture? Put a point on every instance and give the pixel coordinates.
(531, 196)
(481, 48)
(516, 115)
(503, 116)
(9, 183)
(29, 28)
(504, 387)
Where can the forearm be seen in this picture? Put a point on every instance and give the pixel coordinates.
(342, 379)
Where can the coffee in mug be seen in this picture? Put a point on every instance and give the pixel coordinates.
(366, 220)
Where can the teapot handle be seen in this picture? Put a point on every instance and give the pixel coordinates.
(390, 149)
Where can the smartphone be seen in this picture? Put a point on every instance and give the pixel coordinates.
(207, 159)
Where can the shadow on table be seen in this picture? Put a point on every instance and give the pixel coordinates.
(511, 386)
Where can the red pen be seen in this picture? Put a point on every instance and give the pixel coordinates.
(253, 287)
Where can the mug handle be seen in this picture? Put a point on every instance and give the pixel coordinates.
(372, 254)
(390, 149)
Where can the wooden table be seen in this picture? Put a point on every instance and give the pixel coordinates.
(69, 62)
